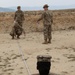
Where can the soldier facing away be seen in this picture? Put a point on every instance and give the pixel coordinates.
(47, 18)
(19, 16)
(18, 21)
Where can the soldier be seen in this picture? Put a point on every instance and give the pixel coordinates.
(19, 17)
(47, 21)
(16, 30)
(18, 21)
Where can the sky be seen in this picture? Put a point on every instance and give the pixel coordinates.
(32, 3)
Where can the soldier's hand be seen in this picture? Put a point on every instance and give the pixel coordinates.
(14, 21)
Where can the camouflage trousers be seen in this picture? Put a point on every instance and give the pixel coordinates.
(20, 23)
(16, 30)
(47, 32)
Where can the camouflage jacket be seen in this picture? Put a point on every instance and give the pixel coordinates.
(47, 18)
(19, 16)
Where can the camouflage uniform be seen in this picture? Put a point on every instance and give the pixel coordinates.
(17, 28)
(19, 17)
(47, 22)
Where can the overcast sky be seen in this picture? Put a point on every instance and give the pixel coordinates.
(28, 3)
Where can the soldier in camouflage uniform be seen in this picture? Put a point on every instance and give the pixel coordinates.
(19, 18)
(47, 21)
(16, 30)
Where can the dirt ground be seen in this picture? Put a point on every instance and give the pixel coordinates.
(62, 51)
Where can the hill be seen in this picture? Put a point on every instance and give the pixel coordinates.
(62, 20)
(25, 8)
(6, 9)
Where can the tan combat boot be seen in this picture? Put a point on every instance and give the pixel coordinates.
(45, 42)
(49, 41)
(18, 37)
(12, 37)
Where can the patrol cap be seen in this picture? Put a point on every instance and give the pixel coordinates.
(45, 6)
(44, 58)
(18, 7)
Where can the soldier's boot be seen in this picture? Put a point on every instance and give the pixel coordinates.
(18, 37)
(45, 42)
(49, 41)
(12, 37)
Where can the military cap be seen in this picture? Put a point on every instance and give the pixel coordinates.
(45, 58)
(18, 7)
(45, 6)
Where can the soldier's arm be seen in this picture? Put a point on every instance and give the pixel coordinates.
(15, 16)
(42, 16)
(51, 17)
(23, 18)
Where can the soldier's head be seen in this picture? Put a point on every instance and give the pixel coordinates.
(45, 7)
(18, 7)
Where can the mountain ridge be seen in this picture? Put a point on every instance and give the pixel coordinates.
(41, 8)
(35, 8)
(2, 9)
